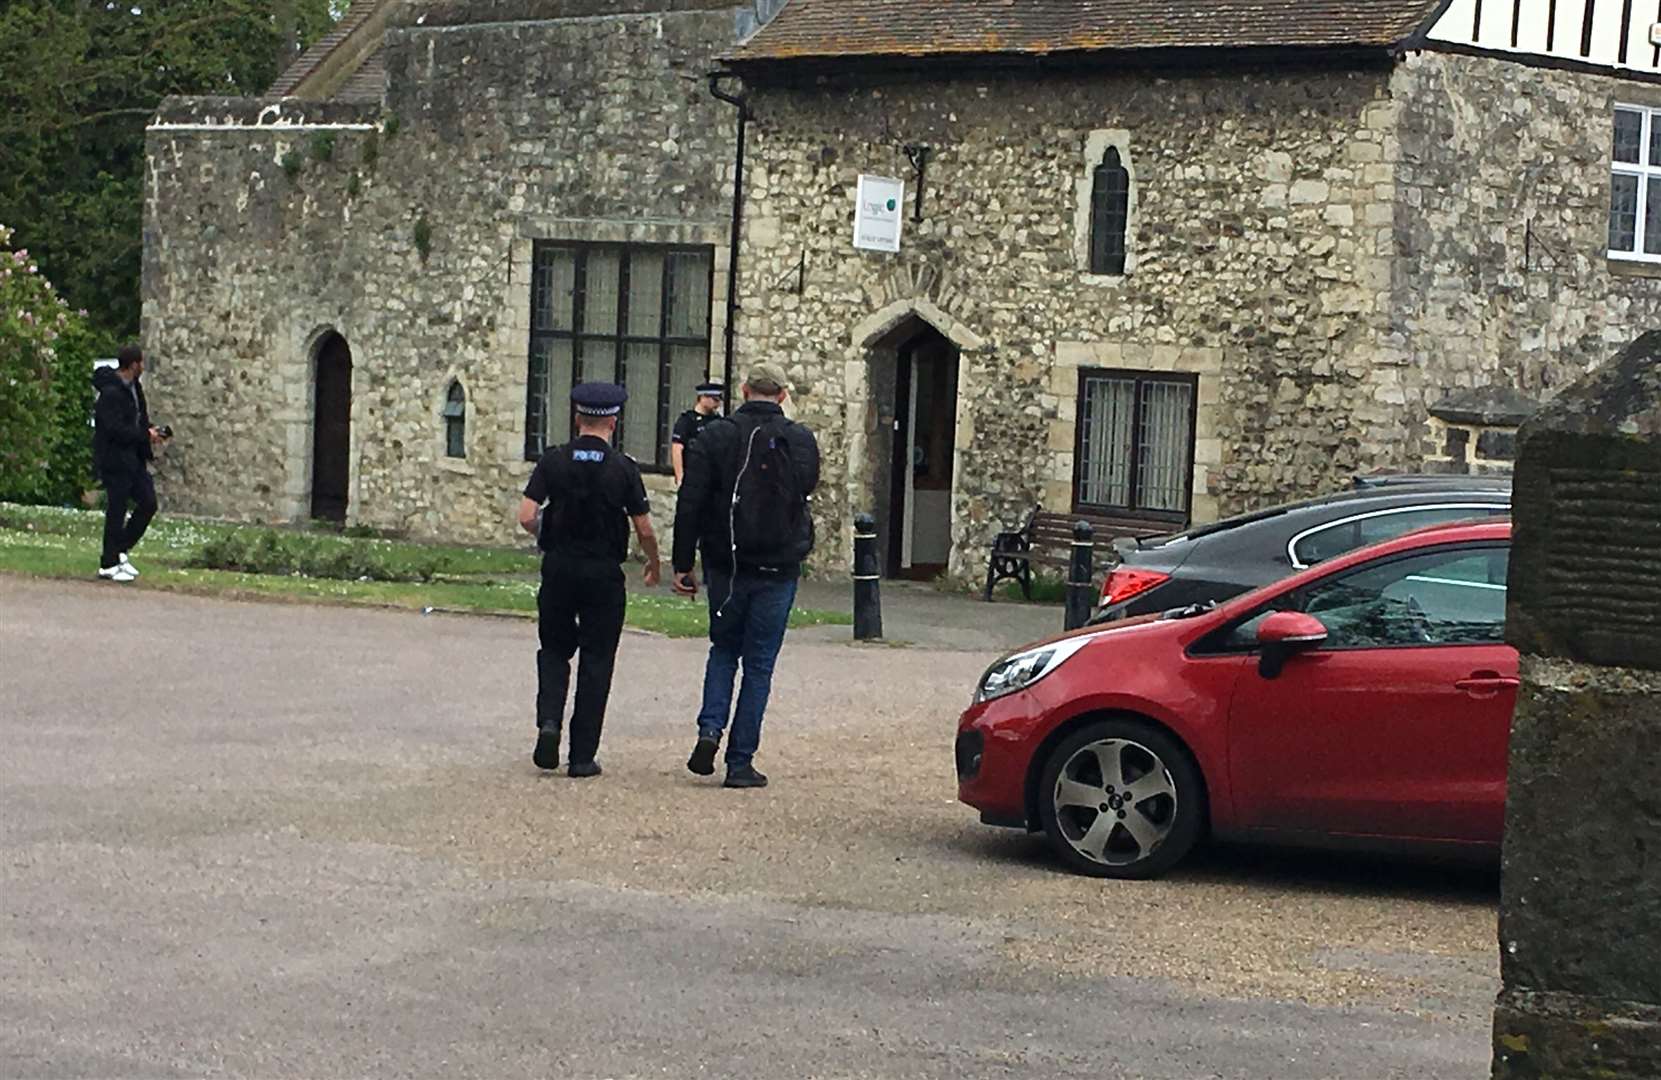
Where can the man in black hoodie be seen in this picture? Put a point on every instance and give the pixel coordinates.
(122, 442)
(744, 503)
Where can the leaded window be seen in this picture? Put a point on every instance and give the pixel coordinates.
(1109, 214)
(632, 314)
(455, 421)
(1135, 450)
(1635, 185)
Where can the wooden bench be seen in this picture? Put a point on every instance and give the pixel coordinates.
(1047, 540)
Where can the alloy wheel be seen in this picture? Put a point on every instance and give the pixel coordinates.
(1115, 802)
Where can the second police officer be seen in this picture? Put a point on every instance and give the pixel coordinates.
(691, 423)
(579, 504)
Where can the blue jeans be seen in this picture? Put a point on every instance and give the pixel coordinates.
(747, 619)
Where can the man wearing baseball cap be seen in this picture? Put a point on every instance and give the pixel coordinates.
(744, 505)
(592, 494)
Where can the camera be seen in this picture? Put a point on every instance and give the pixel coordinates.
(165, 431)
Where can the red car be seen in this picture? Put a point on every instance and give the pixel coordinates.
(1366, 700)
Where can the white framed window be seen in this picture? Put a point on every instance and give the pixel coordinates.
(1134, 449)
(1635, 185)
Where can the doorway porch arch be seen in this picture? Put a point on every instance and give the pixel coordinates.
(905, 413)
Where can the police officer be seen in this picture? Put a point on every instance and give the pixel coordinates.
(691, 423)
(579, 504)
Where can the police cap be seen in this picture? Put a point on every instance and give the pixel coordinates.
(598, 398)
(712, 389)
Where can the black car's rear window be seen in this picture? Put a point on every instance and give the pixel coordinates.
(1265, 514)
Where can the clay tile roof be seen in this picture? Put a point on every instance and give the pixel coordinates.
(311, 62)
(850, 28)
(366, 85)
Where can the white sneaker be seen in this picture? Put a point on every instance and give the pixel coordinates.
(127, 566)
(116, 573)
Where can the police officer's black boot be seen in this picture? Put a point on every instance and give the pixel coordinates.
(546, 754)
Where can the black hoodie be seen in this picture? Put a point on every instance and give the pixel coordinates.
(703, 507)
(121, 424)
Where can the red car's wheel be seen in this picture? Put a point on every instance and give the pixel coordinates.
(1121, 799)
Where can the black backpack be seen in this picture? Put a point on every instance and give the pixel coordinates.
(770, 520)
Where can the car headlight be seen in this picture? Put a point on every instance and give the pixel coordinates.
(1020, 670)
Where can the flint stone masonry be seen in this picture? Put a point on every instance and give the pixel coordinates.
(1231, 280)
(565, 121)
(1330, 251)
(1580, 911)
(1500, 276)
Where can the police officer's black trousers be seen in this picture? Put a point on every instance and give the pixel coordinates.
(580, 613)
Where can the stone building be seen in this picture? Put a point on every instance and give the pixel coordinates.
(359, 295)
(1162, 260)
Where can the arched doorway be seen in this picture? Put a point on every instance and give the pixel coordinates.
(907, 468)
(331, 450)
(921, 450)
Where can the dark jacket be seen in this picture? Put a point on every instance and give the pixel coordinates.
(121, 431)
(703, 507)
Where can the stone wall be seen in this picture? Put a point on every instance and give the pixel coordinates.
(1474, 430)
(1329, 252)
(1580, 906)
(1501, 275)
(409, 229)
(1257, 264)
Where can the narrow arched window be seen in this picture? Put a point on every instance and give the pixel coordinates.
(455, 421)
(1109, 214)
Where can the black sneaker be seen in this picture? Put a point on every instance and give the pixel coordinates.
(702, 760)
(546, 755)
(745, 776)
(580, 769)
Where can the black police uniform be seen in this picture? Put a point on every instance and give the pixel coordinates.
(691, 423)
(591, 491)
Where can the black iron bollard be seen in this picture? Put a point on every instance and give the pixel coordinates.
(1081, 590)
(867, 582)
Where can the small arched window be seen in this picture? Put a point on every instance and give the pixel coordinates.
(455, 421)
(1109, 214)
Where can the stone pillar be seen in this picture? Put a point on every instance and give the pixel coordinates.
(1580, 907)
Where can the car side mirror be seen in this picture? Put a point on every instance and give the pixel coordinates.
(1283, 635)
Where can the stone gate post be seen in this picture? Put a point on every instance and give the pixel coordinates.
(1580, 907)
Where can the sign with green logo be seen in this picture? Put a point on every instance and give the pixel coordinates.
(877, 218)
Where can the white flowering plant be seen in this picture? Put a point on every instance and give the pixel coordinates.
(45, 384)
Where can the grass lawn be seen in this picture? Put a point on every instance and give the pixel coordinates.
(63, 543)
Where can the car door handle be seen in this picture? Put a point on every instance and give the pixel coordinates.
(1487, 683)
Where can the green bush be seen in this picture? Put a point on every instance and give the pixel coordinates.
(46, 353)
(273, 551)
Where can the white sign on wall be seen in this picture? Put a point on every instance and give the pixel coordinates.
(877, 213)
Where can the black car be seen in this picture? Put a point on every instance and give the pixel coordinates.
(1211, 563)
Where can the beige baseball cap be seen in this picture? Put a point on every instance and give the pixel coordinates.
(766, 379)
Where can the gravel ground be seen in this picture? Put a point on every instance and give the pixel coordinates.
(284, 840)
